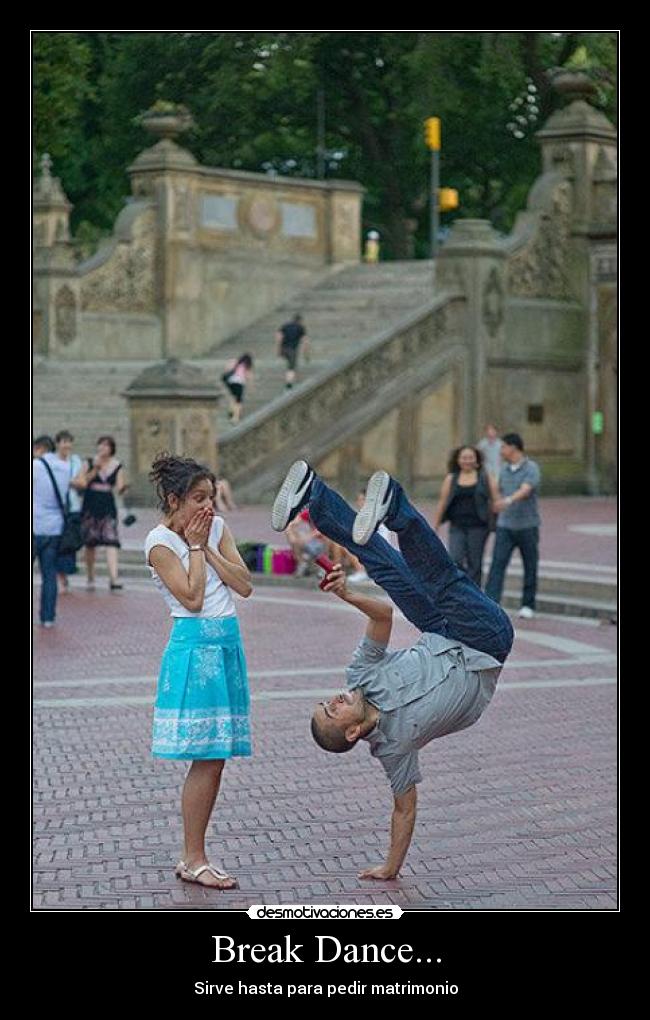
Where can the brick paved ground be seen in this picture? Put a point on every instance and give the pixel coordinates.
(516, 812)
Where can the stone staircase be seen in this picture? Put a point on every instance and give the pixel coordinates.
(342, 313)
(85, 398)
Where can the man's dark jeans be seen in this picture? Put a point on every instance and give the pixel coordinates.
(46, 549)
(505, 542)
(421, 579)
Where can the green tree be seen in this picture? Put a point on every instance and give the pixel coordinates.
(253, 96)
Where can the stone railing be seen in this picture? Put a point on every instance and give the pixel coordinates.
(313, 420)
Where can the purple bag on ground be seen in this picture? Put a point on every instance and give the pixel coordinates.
(260, 559)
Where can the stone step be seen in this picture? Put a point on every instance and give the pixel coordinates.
(550, 583)
(563, 605)
(132, 566)
(568, 585)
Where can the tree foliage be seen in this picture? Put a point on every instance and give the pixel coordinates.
(253, 96)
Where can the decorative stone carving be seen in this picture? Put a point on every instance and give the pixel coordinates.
(171, 407)
(167, 120)
(605, 264)
(493, 302)
(563, 160)
(125, 282)
(539, 269)
(196, 438)
(65, 315)
(150, 438)
(261, 215)
(605, 188)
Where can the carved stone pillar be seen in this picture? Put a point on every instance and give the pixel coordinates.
(580, 141)
(345, 198)
(171, 407)
(166, 174)
(473, 260)
(56, 282)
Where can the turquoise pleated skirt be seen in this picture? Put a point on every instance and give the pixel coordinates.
(202, 702)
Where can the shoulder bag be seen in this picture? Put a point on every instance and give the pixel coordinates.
(70, 540)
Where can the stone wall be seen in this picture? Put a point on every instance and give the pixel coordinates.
(234, 245)
(197, 254)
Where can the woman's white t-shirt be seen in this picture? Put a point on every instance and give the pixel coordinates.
(217, 600)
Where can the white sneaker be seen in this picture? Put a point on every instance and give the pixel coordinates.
(358, 577)
(293, 494)
(526, 613)
(48, 624)
(374, 509)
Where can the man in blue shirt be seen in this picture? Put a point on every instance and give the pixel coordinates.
(517, 524)
(47, 521)
(398, 701)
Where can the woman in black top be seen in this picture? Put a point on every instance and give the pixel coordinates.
(466, 501)
(104, 477)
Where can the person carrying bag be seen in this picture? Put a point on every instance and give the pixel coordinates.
(70, 540)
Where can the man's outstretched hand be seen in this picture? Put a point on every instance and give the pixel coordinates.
(379, 872)
(335, 580)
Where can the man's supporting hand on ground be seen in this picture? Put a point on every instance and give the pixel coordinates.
(401, 831)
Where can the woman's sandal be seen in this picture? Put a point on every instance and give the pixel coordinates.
(187, 875)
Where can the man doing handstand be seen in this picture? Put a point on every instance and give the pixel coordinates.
(397, 702)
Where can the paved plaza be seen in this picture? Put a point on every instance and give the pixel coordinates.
(517, 812)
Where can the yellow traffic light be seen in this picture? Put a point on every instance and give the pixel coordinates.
(432, 132)
(447, 199)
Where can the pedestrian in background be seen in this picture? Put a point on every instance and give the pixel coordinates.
(236, 377)
(50, 483)
(289, 339)
(201, 713)
(306, 542)
(466, 499)
(517, 524)
(490, 447)
(41, 445)
(66, 563)
(103, 477)
(224, 500)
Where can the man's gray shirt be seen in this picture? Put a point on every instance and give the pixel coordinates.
(524, 513)
(436, 686)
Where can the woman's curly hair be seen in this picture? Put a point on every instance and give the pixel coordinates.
(452, 463)
(177, 476)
